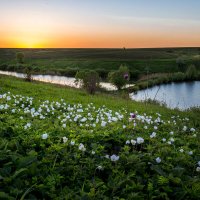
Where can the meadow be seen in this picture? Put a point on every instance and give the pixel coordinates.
(61, 143)
(68, 61)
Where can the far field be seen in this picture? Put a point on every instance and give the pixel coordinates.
(69, 61)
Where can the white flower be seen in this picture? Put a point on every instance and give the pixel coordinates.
(44, 136)
(171, 139)
(84, 119)
(107, 156)
(153, 135)
(133, 142)
(81, 147)
(145, 127)
(127, 141)
(158, 160)
(195, 135)
(190, 153)
(169, 142)
(181, 150)
(198, 163)
(140, 140)
(124, 126)
(8, 98)
(155, 127)
(65, 139)
(103, 123)
(192, 129)
(100, 167)
(72, 142)
(171, 133)
(114, 158)
(164, 139)
(198, 169)
(64, 125)
(93, 152)
(185, 128)
(21, 117)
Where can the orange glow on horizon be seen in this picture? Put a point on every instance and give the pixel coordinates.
(82, 24)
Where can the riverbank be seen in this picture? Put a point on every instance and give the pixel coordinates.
(166, 78)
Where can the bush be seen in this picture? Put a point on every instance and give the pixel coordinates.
(20, 57)
(191, 72)
(89, 80)
(181, 64)
(28, 74)
(120, 77)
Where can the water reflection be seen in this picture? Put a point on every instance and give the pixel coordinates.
(62, 80)
(174, 95)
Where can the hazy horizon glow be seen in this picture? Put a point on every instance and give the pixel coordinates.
(99, 23)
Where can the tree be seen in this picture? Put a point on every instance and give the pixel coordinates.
(120, 77)
(20, 57)
(181, 64)
(191, 72)
(89, 80)
(28, 74)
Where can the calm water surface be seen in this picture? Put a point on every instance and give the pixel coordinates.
(174, 95)
(62, 80)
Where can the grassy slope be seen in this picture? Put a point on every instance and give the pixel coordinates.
(46, 91)
(48, 169)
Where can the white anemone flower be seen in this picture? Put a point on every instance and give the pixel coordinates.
(81, 147)
(133, 142)
(140, 140)
(72, 142)
(103, 123)
(65, 139)
(100, 167)
(190, 153)
(114, 158)
(153, 135)
(181, 150)
(127, 141)
(44, 136)
(198, 169)
(158, 160)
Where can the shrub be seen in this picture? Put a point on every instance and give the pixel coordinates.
(89, 80)
(191, 72)
(28, 74)
(20, 57)
(120, 77)
(181, 64)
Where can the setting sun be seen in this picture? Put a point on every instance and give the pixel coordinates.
(29, 43)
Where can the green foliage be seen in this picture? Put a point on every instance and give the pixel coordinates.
(28, 73)
(120, 77)
(20, 57)
(191, 72)
(181, 64)
(88, 80)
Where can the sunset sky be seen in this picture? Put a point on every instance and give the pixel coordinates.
(99, 23)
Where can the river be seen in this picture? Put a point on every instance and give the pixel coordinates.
(175, 95)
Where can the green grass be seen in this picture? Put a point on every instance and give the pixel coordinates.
(38, 160)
